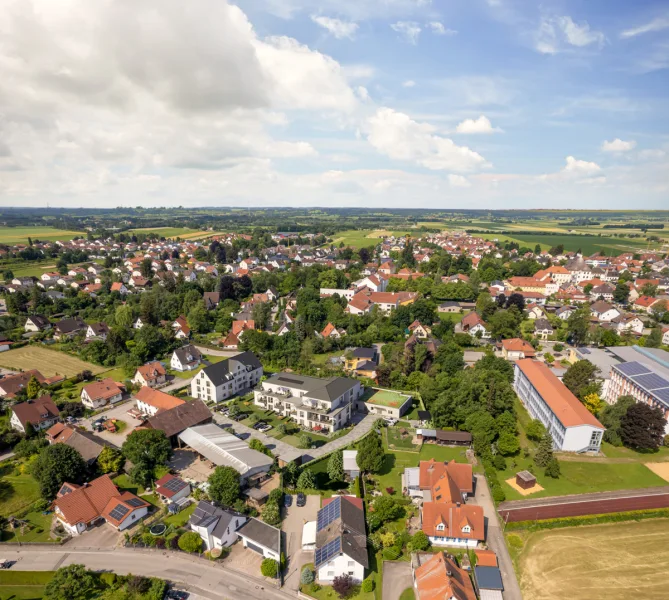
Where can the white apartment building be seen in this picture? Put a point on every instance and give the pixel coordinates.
(224, 379)
(572, 426)
(319, 404)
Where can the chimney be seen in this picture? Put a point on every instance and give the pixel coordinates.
(457, 504)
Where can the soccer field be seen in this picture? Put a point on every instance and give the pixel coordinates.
(598, 562)
(47, 362)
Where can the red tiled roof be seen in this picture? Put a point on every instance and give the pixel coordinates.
(454, 518)
(158, 399)
(440, 578)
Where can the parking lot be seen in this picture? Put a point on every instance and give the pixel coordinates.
(294, 520)
(119, 412)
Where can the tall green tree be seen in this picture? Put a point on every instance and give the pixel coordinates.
(33, 388)
(642, 427)
(73, 582)
(578, 326)
(370, 454)
(544, 453)
(224, 486)
(611, 417)
(55, 465)
(336, 466)
(581, 379)
(307, 480)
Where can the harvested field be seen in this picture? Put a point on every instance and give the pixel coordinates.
(47, 362)
(598, 562)
(659, 468)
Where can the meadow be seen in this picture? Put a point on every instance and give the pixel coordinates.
(20, 235)
(596, 562)
(363, 238)
(47, 362)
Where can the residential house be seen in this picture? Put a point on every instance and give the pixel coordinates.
(176, 420)
(11, 385)
(440, 578)
(565, 311)
(100, 393)
(87, 444)
(645, 303)
(341, 539)
(474, 325)
(78, 507)
(261, 538)
(151, 402)
(119, 286)
(151, 374)
(69, 328)
(330, 331)
(453, 524)
(534, 311)
(224, 379)
(603, 311)
(516, 348)
(181, 328)
(41, 413)
(186, 358)
(211, 300)
(36, 323)
(419, 330)
(543, 328)
(217, 526)
(172, 489)
(97, 331)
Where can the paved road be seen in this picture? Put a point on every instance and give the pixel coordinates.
(352, 436)
(209, 580)
(396, 578)
(226, 353)
(495, 540)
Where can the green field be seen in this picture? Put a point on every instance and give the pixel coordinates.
(20, 235)
(362, 238)
(24, 585)
(47, 362)
(17, 490)
(168, 232)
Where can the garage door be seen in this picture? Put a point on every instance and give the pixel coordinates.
(255, 548)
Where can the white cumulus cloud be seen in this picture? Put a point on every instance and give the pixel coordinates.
(409, 30)
(618, 145)
(398, 136)
(555, 33)
(338, 28)
(580, 168)
(458, 181)
(480, 125)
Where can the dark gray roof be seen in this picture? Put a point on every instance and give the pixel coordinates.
(88, 445)
(206, 513)
(368, 353)
(329, 388)
(540, 324)
(177, 419)
(262, 533)
(188, 354)
(349, 527)
(39, 321)
(454, 436)
(218, 372)
(489, 578)
(70, 325)
(424, 415)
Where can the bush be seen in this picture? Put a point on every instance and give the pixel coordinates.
(553, 469)
(498, 494)
(190, 542)
(41, 505)
(368, 584)
(307, 576)
(499, 462)
(419, 542)
(269, 568)
(390, 491)
(343, 585)
(109, 579)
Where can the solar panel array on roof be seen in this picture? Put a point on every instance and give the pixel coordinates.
(119, 512)
(651, 382)
(328, 513)
(65, 490)
(633, 368)
(135, 502)
(174, 485)
(327, 552)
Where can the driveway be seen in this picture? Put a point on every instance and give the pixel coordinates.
(101, 536)
(177, 384)
(225, 353)
(352, 436)
(396, 578)
(244, 560)
(495, 540)
(119, 412)
(294, 520)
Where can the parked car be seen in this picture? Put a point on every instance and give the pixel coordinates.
(264, 427)
(301, 499)
(287, 500)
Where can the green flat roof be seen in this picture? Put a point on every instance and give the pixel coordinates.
(385, 398)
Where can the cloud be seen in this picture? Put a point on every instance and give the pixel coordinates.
(437, 27)
(409, 30)
(618, 145)
(458, 181)
(579, 168)
(338, 28)
(480, 125)
(657, 24)
(555, 33)
(409, 83)
(399, 137)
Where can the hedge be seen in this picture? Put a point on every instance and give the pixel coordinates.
(634, 515)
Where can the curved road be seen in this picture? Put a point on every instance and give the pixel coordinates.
(199, 576)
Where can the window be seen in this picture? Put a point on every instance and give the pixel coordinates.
(466, 529)
(440, 527)
(351, 563)
(330, 573)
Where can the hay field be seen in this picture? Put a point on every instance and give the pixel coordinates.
(20, 235)
(614, 561)
(47, 362)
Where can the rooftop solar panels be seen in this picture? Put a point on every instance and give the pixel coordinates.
(651, 382)
(174, 485)
(65, 490)
(662, 396)
(632, 368)
(119, 512)
(135, 502)
(327, 552)
(328, 513)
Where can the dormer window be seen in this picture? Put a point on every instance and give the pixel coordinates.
(466, 529)
(440, 527)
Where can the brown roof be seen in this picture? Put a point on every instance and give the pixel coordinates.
(485, 558)
(84, 442)
(122, 500)
(158, 399)
(102, 390)
(15, 383)
(36, 411)
(179, 418)
(440, 578)
(151, 371)
(432, 474)
(566, 407)
(518, 345)
(79, 504)
(454, 518)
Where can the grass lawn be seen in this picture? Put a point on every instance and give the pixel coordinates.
(37, 531)
(320, 470)
(48, 362)
(662, 453)
(452, 317)
(321, 359)
(17, 492)
(412, 413)
(181, 518)
(443, 453)
(593, 562)
(363, 238)
(407, 594)
(397, 441)
(387, 398)
(20, 235)
(24, 585)
(123, 483)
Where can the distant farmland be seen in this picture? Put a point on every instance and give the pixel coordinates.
(20, 235)
(47, 362)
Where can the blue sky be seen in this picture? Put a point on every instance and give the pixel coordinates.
(400, 103)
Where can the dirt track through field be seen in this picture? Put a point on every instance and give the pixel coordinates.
(602, 562)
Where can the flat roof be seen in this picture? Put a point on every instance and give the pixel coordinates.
(564, 405)
(385, 398)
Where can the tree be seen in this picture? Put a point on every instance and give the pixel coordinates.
(146, 449)
(386, 508)
(581, 379)
(145, 268)
(342, 585)
(110, 460)
(307, 480)
(553, 468)
(654, 340)
(303, 441)
(33, 388)
(611, 416)
(256, 444)
(621, 293)
(55, 465)
(508, 443)
(545, 451)
(336, 466)
(269, 568)
(306, 576)
(578, 326)
(593, 403)
(30, 430)
(224, 486)
(73, 582)
(642, 427)
(370, 454)
(198, 319)
(419, 541)
(123, 316)
(271, 514)
(190, 542)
